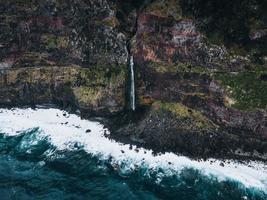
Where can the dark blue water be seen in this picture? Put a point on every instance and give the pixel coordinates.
(37, 170)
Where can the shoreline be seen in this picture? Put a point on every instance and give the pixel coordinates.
(74, 136)
(127, 140)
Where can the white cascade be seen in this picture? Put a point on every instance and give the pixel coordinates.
(132, 92)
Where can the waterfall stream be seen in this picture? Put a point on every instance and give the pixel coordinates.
(132, 92)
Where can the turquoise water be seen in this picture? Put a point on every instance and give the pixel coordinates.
(33, 167)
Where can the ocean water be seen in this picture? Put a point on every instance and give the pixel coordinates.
(50, 154)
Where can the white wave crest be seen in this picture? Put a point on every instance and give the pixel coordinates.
(64, 129)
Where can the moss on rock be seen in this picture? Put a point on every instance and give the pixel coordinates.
(246, 89)
(88, 95)
(100, 75)
(165, 9)
(193, 119)
(52, 41)
(182, 67)
(96, 88)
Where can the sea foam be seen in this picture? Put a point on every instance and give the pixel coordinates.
(63, 130)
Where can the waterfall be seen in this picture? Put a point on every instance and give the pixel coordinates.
(132, 92)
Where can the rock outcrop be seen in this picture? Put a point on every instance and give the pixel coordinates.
(94, 91)
(64, 51)
(60, 33)
(205, 99)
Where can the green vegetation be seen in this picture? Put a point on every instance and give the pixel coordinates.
(111, 21)
(247, 89)
(52, 41)
(97, 82)
(192, 118)
(166, 8)
(88, 95)
(167, 68)
(89, 85)
(104, 76)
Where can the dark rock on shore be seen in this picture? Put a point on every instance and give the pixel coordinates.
(177, 128)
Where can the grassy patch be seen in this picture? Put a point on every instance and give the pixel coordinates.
(247, 89)
(112, 76)
(88, 95)
(192, 117)
(52, 41)
(167, 68)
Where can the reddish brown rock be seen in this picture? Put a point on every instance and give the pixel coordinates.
(166, 40)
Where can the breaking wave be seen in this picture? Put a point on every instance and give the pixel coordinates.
(51, 154)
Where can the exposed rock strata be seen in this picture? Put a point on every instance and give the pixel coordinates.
(60, 33)
(94, 91)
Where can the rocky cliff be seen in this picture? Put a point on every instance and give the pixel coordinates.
(65, 51)
(201, 72)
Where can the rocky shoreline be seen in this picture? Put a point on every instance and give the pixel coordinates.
(126, 128)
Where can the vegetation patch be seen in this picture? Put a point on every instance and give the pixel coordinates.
(167, 68)
(111, 21)
(90, 86)
(52, 42)
(88, 95)
(247, 89)
(105, 76)
(166, 8)
(193, 118)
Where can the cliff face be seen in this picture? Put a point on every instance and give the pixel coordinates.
(200, 74)
(178, 64)
(60, 33)
(68, 51)
(94, 91)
